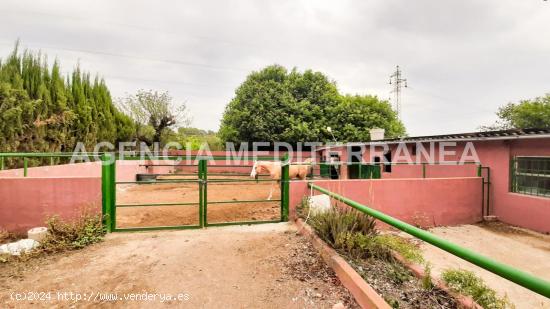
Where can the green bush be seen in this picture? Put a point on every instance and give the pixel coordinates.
(467, 283)
(345, 229)
(70, 235)
(355, 234)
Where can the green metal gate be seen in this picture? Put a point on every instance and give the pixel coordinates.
(110, 206)
(363, 171)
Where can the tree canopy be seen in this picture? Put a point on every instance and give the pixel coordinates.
(154, 109)
(277, 105)
(533, 113)
(43, 111)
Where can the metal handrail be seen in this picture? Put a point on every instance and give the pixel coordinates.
(522, 278)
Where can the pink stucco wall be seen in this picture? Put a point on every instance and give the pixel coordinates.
(125, 170)
(517, 209)
(62, 190)
(423, 202)
(28, 202)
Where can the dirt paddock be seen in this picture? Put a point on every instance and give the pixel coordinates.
(258, 266)
(189, 193)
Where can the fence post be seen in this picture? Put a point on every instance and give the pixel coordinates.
(284, 188)
(423, 170)
(25, 166)
(108, 191)
(1, 163)
(487, 209)
(203, 172)
(201, 198)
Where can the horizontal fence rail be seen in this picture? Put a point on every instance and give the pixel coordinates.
(522, 278)
(200, 177)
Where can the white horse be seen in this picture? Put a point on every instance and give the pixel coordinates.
(299, 171)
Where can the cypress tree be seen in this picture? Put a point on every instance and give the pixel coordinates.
(42, 111)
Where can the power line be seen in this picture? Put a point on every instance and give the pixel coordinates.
(111, 54)
(397, 81)
(81, 19)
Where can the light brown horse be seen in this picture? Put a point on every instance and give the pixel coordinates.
(299, 171)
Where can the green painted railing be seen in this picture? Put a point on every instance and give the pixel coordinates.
(522, 278)
(109, 195)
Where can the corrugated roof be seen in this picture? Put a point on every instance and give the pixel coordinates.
(473, 136)
(489, 135)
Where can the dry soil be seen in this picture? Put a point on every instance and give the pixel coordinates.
(258, 266)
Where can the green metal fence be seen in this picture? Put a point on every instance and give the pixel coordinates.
(205, 184)
(50, 158)
(524, 279)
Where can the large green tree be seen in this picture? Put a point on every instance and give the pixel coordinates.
(354, 115)
(42, 111)
(277, 105)
(533, 113)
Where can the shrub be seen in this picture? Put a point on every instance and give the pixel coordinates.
(355, 234)
(467, 283)
(331, 225)
(402, 246)
(70, 235)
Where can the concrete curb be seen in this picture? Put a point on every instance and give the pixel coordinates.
(363, 293)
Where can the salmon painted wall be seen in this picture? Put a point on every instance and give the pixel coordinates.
(28, 202)
(423, 202)
(125, 170)
(517, 209)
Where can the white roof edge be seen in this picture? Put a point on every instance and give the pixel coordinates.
(468, 139)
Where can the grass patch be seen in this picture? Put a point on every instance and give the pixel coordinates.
(402, 246)
(467, 283)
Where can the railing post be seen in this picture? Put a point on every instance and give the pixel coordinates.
(487, 210)
(25, 166)
(423, 170)
(285, 165)
(51, 160)
(108, 190)
(201, 198)
(1, 163)
(203, 195)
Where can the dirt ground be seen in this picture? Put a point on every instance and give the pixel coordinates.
(258, 266)
(188, 193)
(526, 250)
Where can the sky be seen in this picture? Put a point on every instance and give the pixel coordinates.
(462, 59)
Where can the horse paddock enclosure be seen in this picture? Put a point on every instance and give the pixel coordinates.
(188, 215)
(154, 195)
